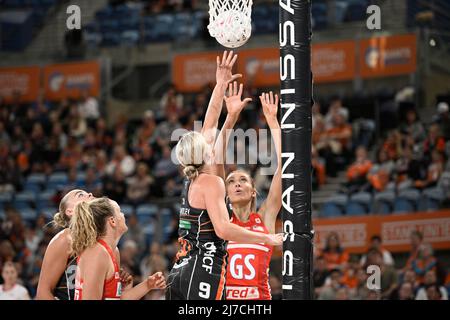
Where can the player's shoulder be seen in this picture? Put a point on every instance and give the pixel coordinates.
(61, 239)
(211, 180)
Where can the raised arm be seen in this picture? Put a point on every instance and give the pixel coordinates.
(271, 207)
(223, 77)
(215, 205)
(234, 106)
(53, 266)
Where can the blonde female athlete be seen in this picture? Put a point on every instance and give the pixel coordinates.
(205, 227)
(96, 229)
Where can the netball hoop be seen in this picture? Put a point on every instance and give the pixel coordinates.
(230, 21)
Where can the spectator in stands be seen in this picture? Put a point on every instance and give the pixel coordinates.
(317, 117)
(434, 293)
(434, 141)
(103, 134)
(393, 145)
(145, 133)
(434, 171)
(138, 186)
(405, 292)
(373, 295)
(413, 127)
(361, 291)
(335, 108)
(165, 129)
(424, 262)
(350, 275)
(443, 119)
(335, 256)
(92, 183)
(154, 262)
(164, 169)
(129, 259)
(357, 172)
(416, 238)
(332, 286)
(319, 172)
(121, 160)
(114, 186)
(11, 289)
(375, 244)
(402, 292)
(430, 279)
(71, 155)
(135, 233)
(60, 135)
(380, 174)
(320, 273)
(171, 101)
(77, 124)
(335, 142)
(4, 136)
(410, 276)
(388, 279)
(89, 109)
(10, 175)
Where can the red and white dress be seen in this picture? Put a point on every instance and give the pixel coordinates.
(112, 288)
(248, 264)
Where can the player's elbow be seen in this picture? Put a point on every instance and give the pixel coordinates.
(222, 231)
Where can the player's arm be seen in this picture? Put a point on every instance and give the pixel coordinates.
(218, 214)
(53, 266)
(155, 281)
(223, 77)
(234, 106)
(95, 264)
(271, 206)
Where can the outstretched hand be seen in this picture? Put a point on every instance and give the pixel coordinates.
(156, 281)
(233, 101)
(269, 104)
(224, 73)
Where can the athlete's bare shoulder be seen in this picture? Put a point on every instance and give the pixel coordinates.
(210, 179)
(61, 239)
(96, 252)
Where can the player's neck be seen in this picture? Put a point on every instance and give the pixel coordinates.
(111, 240)
(242, 212)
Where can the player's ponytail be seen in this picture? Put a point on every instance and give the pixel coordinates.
(89, 223)
(191, 151)
(61, 219)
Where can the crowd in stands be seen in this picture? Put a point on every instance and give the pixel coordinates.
(339, 275)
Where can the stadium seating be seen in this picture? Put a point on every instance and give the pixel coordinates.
(334, 207)
(359, 204)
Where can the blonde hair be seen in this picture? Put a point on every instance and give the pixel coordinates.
(61, 219)
(89, 223)
(191, 151)
(253, 204)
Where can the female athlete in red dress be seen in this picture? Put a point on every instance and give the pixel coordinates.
(248, 264)
(96, 228)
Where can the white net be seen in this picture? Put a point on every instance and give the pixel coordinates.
(230, 21)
